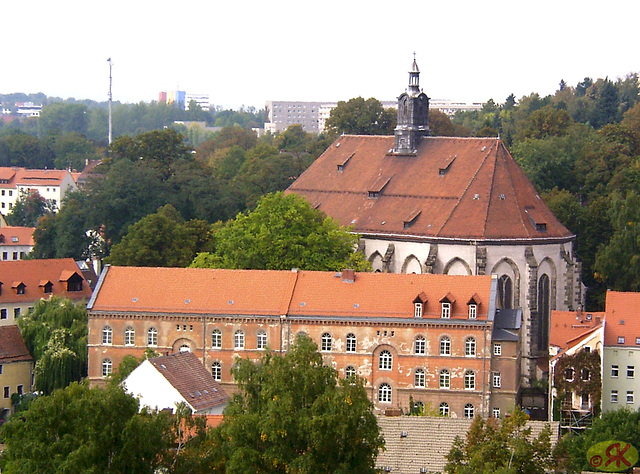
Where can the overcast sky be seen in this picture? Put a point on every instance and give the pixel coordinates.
(248, 52)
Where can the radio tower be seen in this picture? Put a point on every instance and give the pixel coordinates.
(110, 101)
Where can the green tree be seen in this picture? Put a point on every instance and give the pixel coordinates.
(618, 425)
(285, 232)
(162, 239)
(63, 117)
(293, 415)
(78, 429)
(361, 117)
(72, 151)
(55, 333)
(505, 446)
(29, 207)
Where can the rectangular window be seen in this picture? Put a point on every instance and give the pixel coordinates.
(496, 412)
(620, 339)
(638, 341)
(446, 310)
(614, 371)
(0, 369)
(497, 380)
(417, 310)
(614, 396)
(19, 389)
(473, 311)
(3, 313)
(629, 396)
(15, 255)
(6, 392)
(631, 371)
(16, 313)
(5, 255)
(497, 349)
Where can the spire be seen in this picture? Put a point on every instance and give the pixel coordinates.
(413, 115)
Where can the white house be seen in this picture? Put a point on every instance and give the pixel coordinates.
(52, 185)
(163, 382)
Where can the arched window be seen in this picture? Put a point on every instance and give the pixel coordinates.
(184, 348)
(349, 372)
(216, 371)
(107, 367)
(419, 378)
(385, 362)
(238, 340)
(444, 409)
(543, 312)
(445, 379)
(469, 411)
(351, 342)
(469, 380)
(216, 339)
(129, 336)
(326, 342)
(420, 345)
(470, 346)
(505, 292)
(152, 337)
(107, 335)
(445, 345)
(384, 393)
(262, 340)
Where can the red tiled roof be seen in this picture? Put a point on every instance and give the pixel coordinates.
(16, 235)
(623, 319)
(482, 194)
(27, 177)
(566, 326)
(269, 292)
(12, 346)
(185, 372)
(32, 273)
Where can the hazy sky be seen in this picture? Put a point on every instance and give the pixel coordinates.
(248, 52)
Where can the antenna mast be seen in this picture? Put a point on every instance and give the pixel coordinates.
(110, 101)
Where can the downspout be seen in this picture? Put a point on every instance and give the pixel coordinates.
(484, 372)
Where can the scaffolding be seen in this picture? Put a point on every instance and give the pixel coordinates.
(574, 420)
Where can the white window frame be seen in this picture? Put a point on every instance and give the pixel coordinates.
(216, 339)
(384, 393)
(420, 345)
(107, 367)
(469, 410)
(444, 409)
(419, 378)
(630, 396)
(631, 371)
(497, 349)
(238, 339)
(614, 396)
(444, 379)
(129, 336)
(470, 347)
(107, 335)
(473, 311)
(216, 371)
(152, 337)
(497, 380)
(326, 342)
(445, 346)
(261, 340)
(495, 412)
(615, 371)
(385, 360)
(469, 380)
(349, 371)
(352, 342)
(446, 310)
(417, 310)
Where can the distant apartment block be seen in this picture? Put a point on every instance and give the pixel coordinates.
(182, 99)
(202, 100)
(28, 109)
(313, 115)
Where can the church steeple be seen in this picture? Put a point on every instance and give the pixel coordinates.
(413, 115)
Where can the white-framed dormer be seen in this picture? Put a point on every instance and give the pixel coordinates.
(446, 304)
(473, 304)
(419, 303)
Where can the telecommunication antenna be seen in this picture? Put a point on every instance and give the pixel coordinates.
(110, 101)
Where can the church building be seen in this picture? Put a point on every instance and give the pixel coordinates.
(456, 206)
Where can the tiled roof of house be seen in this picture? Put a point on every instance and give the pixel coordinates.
(16, 235)
(413, 443)
(454, 188)
(296, 293)
(185, 372)
(622, 326)
(567, 326)
(12, 346)
(32, 273)
(13, 177)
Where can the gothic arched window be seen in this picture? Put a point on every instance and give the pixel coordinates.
(543, 312)
(505, 292)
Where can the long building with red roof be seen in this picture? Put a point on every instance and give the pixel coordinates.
(410, 336)
(456, 206)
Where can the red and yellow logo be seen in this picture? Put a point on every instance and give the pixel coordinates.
(612, 456)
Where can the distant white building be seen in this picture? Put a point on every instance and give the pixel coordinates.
(28, 109)
(16, 242)
(202, 100)
(52, 185)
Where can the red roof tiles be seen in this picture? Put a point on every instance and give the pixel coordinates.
(16, 235)
(455, 188)
(12, 346)
(622, 327)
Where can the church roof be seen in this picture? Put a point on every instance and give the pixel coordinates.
(452, 188)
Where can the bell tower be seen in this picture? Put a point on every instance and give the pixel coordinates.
(413, 115)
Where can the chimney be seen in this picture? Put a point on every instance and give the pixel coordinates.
(579, 313)
(348, 275)
(598, 319)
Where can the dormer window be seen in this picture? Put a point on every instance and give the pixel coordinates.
(473, 311)
(73, 280)
(446, 310)
(47, 286)
(418, 305)
(19, 287)
(417, 310)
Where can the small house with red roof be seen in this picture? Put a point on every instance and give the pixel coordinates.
(16, 366)
(163, 382)
(621, 361)
(454, 206)
(24, 282)
(420, 337)
(16, 242)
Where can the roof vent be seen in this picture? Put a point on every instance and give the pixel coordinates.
(14, 239)
(302, 303)
(187, 301)
(622, 322)
(356, 305)
(135, 300)
(476, 197)
(230, 301)
(501, 196)
(403, 434)
(484, 148)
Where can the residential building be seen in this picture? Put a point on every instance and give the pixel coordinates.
(575, 367)
(28, 109)
(621, 361)
(16, 367)
(24, 282)
(163, 382)
(16, 242)
(52, 185)
(505, 361)
(456, 206)
(282, 114)
(410, 336)
(202, 100)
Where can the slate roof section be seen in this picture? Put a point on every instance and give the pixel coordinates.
(16, 236)
(507, 324)
(421, 442)
(622, 319)
(294, 293)
(483, 194)
(185, 372)
(12, 346)
(33, 272)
